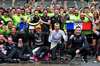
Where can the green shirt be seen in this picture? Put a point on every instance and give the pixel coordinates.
(85, 20)
(16, 20)
(8, 30)
(50, 14)
(1, 30)
(7, 19)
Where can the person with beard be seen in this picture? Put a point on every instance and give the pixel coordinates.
(56, 19)
(45, 20)
(14, 50)
(6, 17)
(70, 11)
(98, 34)
(83, 18)
(9, 26)
(39, 46)
(13, 35)
(22, 49)
(79, 45)
(35, 18)
(76, 12)
(38, 8)
(45, 23)
(55, 37)
(3, 51)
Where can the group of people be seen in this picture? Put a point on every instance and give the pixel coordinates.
(50, 34)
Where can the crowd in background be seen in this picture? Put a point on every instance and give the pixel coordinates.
(46, 19)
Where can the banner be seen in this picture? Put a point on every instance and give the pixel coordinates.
(84, 26)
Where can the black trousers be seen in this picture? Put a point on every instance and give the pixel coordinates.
(25, 48)
(4, 58)
(59, 46)
(12, 54)
(72, 51)
(44, 49)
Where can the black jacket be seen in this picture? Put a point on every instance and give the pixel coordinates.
(78, 42)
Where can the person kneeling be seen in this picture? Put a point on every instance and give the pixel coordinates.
(56, 44)
(39, 46)
(79, 45)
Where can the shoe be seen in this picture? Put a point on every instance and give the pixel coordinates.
(47, 57)
(44, 59)
(35, 58)
(31, 58)
(15, 61)
(61, 59)
(85, 60)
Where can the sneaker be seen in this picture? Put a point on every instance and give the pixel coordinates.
(47, 57)
(85, 60)
(35, 58)
(44, 59)
(31, 58)
(62, 60)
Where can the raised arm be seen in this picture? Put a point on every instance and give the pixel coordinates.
(94, 29)
(75, 3)
(3, 3)
(19, 5)
(65, 5)
(42, 1)
(13, 3)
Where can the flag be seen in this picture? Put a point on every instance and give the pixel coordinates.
(84, 26)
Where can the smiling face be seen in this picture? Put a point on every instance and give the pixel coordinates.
(10, 40)
(78, 31)
(56, 12)
(38, 30)
(82, 16)
(1, 38)
(57, 27)
(95, 14)
(45, 13)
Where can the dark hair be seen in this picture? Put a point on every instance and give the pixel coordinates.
(36, 10)
(61, 7)
(44, 10)
(47, 6)
(78, 27)
(86, 8)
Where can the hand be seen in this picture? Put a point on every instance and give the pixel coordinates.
(1, 46)
(42, 1)
(22, 17)
(77, 51)
(71, 36)
(75, 2)
(13, 1)
(50, 30)
(96, 3)
(65, 31)
(97, 21)
(65, 2)
(3, 1)
(2, 21)
(67, 13)
(54, 1)
(59, 2)
(82, 0)
(18, 4)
